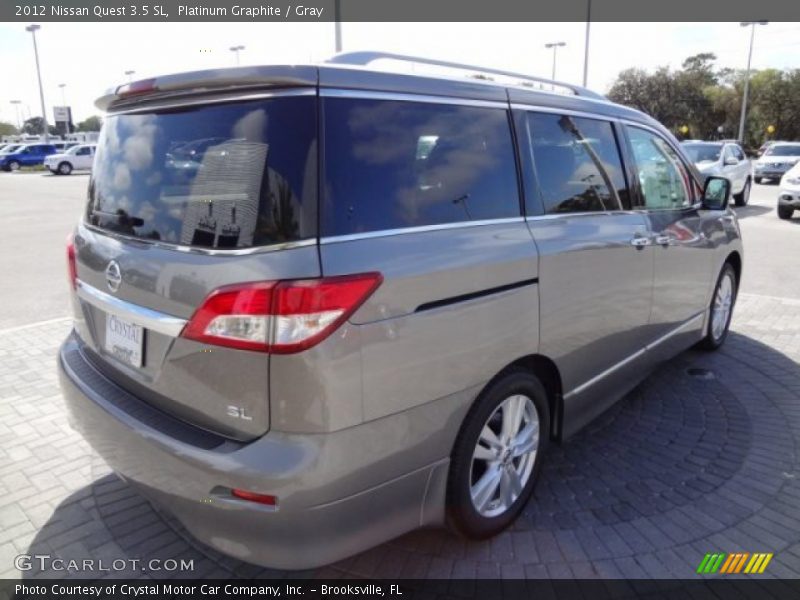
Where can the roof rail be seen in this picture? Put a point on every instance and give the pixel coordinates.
(363, 58)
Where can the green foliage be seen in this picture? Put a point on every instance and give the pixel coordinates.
(7, 128)
(704, 98)
(93, 123)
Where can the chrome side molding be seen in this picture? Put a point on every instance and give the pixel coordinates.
(147, 318)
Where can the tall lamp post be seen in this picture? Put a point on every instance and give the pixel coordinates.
(16, 104)
(63, 97)
(33, 29)
(337, 15)
(586, 43)
(555, 46)
(752, 25)
(236, 50)
(130, 75)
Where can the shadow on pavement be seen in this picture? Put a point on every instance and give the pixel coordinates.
(678, 461)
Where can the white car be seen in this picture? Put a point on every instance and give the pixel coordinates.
(777, 160)
(77, 157)
(723, 159)
(789, 197)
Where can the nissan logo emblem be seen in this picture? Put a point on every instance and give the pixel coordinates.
(113, 276)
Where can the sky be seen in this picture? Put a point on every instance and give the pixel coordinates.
(91, 57)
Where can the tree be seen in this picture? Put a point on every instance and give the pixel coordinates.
(93, 123)
(7, 128)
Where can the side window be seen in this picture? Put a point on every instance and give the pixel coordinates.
(662, 176)
(394, 164)
(85, 151)
(737, 152)
(577, 164)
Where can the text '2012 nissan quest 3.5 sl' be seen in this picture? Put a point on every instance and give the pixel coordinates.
(319, 306)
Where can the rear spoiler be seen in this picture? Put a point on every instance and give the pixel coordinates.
(211, 80)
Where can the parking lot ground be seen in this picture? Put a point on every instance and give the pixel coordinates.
(702, 457)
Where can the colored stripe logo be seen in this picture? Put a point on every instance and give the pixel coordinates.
(738, 562)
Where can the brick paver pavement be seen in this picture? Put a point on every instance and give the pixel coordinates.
(701, 457)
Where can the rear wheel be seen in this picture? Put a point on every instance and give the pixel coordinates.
(743, 197)
(497, 455)
(65, 168)
(721, 310)
(757, 179)
(785, 212)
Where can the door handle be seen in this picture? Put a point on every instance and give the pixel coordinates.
(640, 241)
(662, 240)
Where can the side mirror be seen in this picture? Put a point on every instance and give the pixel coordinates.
(731, 161)
(716, 193)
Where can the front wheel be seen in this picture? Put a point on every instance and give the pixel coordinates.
(497, 455)
(721, 310)
(13, 166)
(757, 179)
(65, 168)
(743, 197)
(785, 212)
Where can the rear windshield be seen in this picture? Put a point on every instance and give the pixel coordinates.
(218, 176)
(703, 152)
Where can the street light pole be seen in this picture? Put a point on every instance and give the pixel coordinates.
(16, 104)
(130, 74)
(63, 97)
(555, 46)
(338, 25)
(752, 25)
(33, 29)
(236, 50)
(586, 43)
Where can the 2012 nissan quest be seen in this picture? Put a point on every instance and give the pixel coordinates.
(319, 306)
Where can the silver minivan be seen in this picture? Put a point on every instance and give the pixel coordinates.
(317, 307)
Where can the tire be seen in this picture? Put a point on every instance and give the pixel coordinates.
(497, 503)
(785, 212)
(65, 168)
(757, 179)
(13, 166)
(722, 303)
(743, 197)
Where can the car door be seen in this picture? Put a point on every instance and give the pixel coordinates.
(595, 258)
(683, 252)
(83, 158)
(26, 156)
(732, 167)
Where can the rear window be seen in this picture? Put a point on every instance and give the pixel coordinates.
(393, 164)
(219, 176)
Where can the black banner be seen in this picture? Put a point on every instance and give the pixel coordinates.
(481, 589)
(397, 10)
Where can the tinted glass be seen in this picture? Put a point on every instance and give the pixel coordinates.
(395, 164)
(663, 179)
(783, 151)
(577, 164)
(737, 153)
(703, 152)
(219, 176)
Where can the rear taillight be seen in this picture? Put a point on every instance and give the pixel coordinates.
(279, 317)
(72, 270)
(143, 86)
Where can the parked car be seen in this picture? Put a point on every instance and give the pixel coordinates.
(303, 359)
(27, 155)
(789, 197)
(77, 157)
(62, 146)
(723, 159)
(776, 160)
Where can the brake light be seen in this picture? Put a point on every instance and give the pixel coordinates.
(279, 317)
(72, 270)
(142, 86)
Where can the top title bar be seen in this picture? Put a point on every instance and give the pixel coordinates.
(398, 10)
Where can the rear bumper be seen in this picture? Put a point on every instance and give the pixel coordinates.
(330, 502)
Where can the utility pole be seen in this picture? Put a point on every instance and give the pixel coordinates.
(33, 29)
(555, 46)
(586, 43)
(338, 25)
(752, 25)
